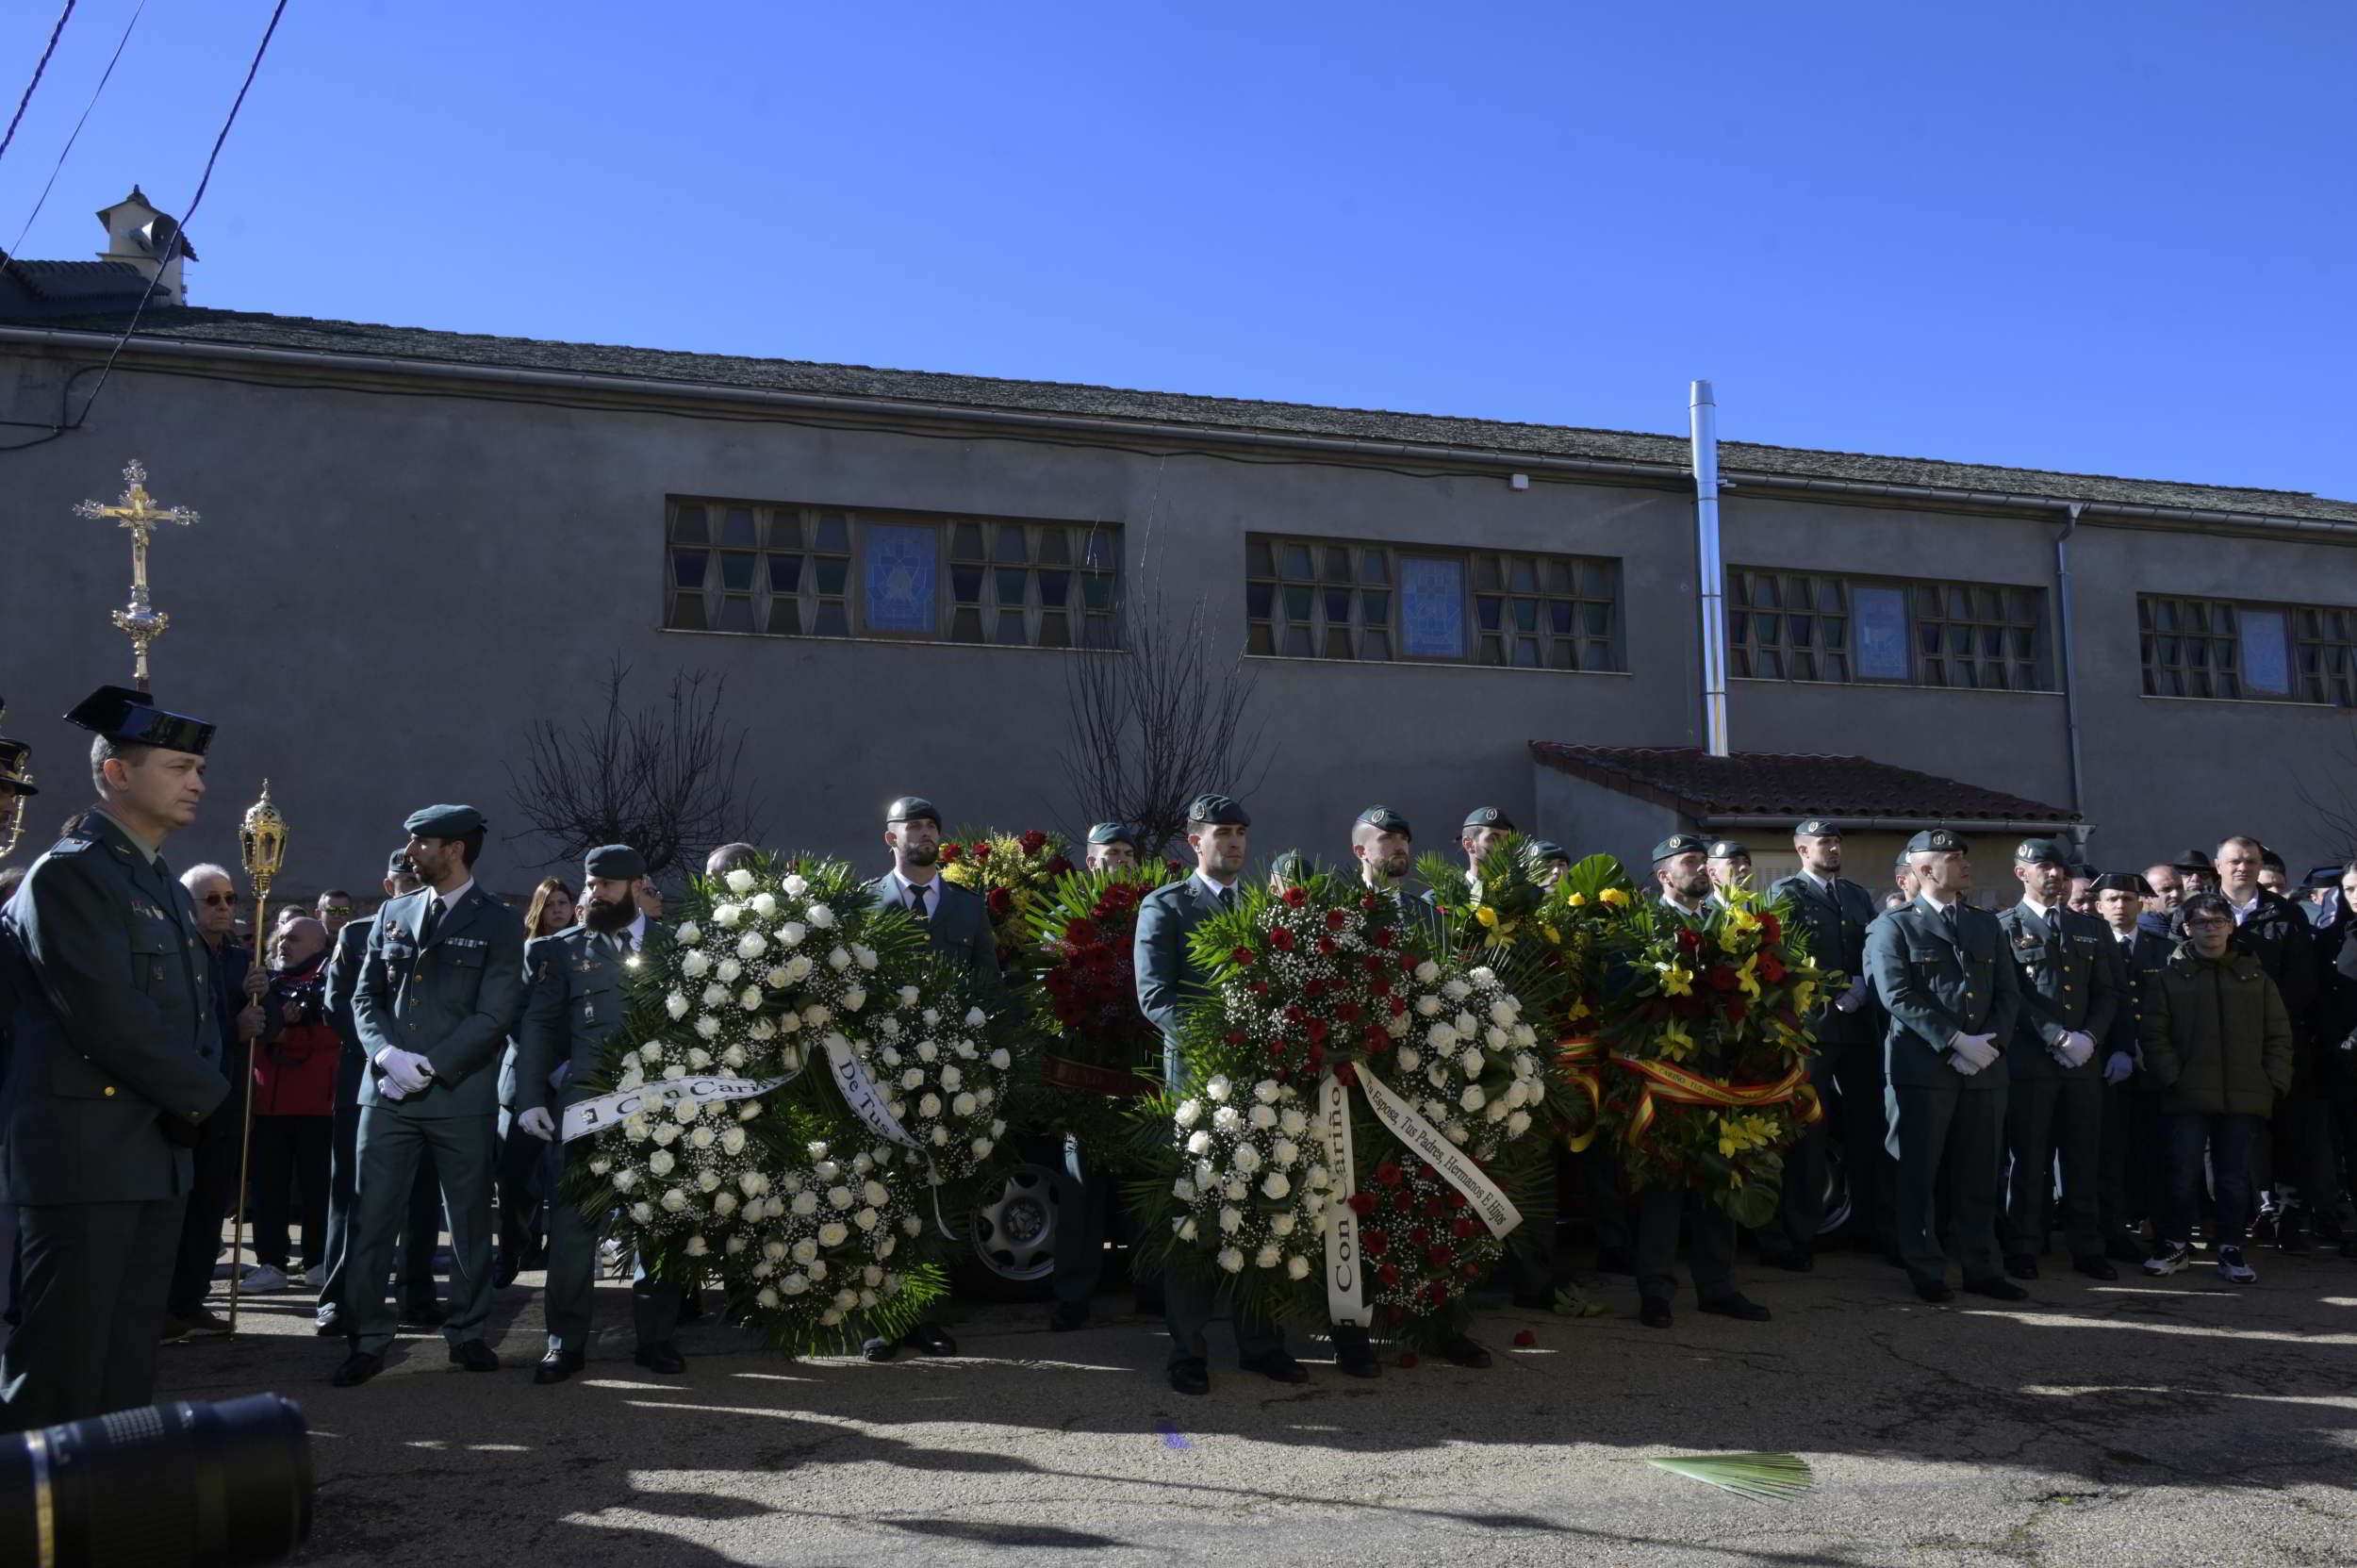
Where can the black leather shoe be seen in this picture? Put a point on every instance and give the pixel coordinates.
(2292, 1240)
(1277, 1367)
(1934, 1290)
(557, 1366)
(1068, 1316)
(1791, 1262)
(2021, 1266)
(1460, 1350)
(2095, 1268)
(663, 1359)
(1997, 1288)
(504, 1272)
(932, 1339)
(2125, 1250)
(1654, 1313)
(1736, 1304)
(474, 1355)
(879, 1349)
(1189, 1376)
(1354, 1356)
(422, 1316)
(359, 1368)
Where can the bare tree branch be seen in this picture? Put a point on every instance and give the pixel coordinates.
(662, 778)
(2337, 811)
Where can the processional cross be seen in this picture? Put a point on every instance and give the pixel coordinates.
(135, 510)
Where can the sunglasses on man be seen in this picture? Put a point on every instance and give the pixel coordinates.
(217, 900)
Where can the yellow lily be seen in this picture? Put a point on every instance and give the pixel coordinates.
(1677, 981)
(1615, 895)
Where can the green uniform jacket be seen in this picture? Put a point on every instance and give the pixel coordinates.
(1168, 978)
(2217, 1039)
(1836, 925)
(115, 1031)
(2068, 979)
(579, 989)
(452, 1000)
(958, 930)
(1935, 987)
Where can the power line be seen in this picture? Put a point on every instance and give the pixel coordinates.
(172, 246)
(68, 150)
(38, 66)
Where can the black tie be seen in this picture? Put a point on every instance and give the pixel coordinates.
(1227, 897)
(621, 943)
(433, 918)
(1947, 912)
(916, 899)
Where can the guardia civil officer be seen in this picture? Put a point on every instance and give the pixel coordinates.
(1383, 844)
(1729, 864)
(439, 993)
(1168, 979)
(2055, 1084)
(580, 987)
(1848, 1067)
(1682, 887)
(956, 928)
(1083, 1192)
(1941, 973)
(115, 1064)
(2133, 1178)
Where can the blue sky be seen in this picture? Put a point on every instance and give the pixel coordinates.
(2111, 238)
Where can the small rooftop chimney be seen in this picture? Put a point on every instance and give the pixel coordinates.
(149, 240)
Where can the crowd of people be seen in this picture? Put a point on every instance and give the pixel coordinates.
(2119, 1059)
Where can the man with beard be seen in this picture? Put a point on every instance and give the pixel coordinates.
(1681, 874)
(438, 996)
(580, 988)
(1848, 1067)
(956, 928)
(115, 1056)
(1486, 828)
(2054, 1085)
(1941, 974)
(1169, 978)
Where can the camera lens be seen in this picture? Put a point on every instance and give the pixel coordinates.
(206, 1485)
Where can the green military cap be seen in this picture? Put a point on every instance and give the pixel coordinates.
(1547, 848)
(1678, 844)
(398, 865)
(1727, 848)
(132, 717)
(1384, 819)
(1817, 827)
(1291, 867)
(443, 822)
(613, 863)
(912, 808)
(1936, 841)
(1219, 811)
(14, 776)
(1488, 817)
(2122, 882)
(2040, 851)
(1113, 832)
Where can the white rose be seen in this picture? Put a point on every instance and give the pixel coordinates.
(863, 957)
(1266, 1090)
(1293, 1122)
(676, 1005)
(907, 996)
(661, 1161)
(1525, 1036)
(1427, 1007)
(698, 1247)
(1187, 1230)
(1456, 990)
(701, 1138)
(1497, 1039)
(1470, 1064)
(1281, 1224)
(951, 1076)
(822, 917)
(1517, 1123)
(805, 1250)
(761, 1028)
(929, 1107)
(724, 1204)
(833, 1233)
(1473, 1098)
(854, 998)
(865, 1219)
(599, 1166)
(1246, 1158)
(1497, 1111)
(975, 1017)
(794, 1284)
(962, 1105)
(1199, 1143)
(642, 1214)
(792, 932)
(1502, 1014)
(1274, 1184)
(751, 946)
(688, 933)
(1287, 1152)
(727, 915)
(1189, 1112)
(695, 965)
(675, 1201)
(1183, 1190)
(1266, 1256)
(676, 1070)
(713, 994)
(708, 1026)
(805, 1204)
(728, 972)
(795, 885)
(1296, 1267)
(625, 1179)
(1000, 1059)
(927, 1051)
(1228, 1119)
(1441, 1037)
(1427, 971)
(1230, 1220)
(1263, 1118)
(1218, 1088)
(874, 1194)
(733, 1058)
(748, 1109)
(1458, 1133)
(1232, 1259)
(739, 881)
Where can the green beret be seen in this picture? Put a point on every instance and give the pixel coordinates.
(1291, 865)
(912, 808)
(445, 822)
(1727, 848)
(613, 863)
(1547, 848)
(1488, 817)
(1384, 819)
(2040, 851)
(1817, 827)
(1678, 844)
(1219, 811)
(398, 865)
(1113, 832)
(1936, 841)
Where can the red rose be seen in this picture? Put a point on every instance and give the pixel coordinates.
(1335, 918)
(1296, 896)
(1690, 939)
(949, 853)
(1406, 1358)
(1733, 1008)
(1347, 1011)
(1293, 1014)
(1388, 1174)
(1234, 1036)
(1721, 977)
(1397, 1005)
(1281, 939)
(1435, 1207)
(1319, 1029)
(1387, 1274)
(980, 852)
(1771, 928)
(1366, 900)
(1407, 963)
(1374, 1040)
(1260, 988)
(1404, 1200)
(1000, 903)
(1326, 947)
(1033, 842)
(1770, 970)
(1524, 1338)
(1376, 1243)
(1418, 1236)
(1362, 1203)
(1462, 1227)
(1441, 1257)
(1058, 867)
(1383, 939)
(1314, 987)
(1470, 1271)
(1241, 955)
(1344, 1073)
(1455, 1199)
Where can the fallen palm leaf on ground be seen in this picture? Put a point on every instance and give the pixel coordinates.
(1768, 1477)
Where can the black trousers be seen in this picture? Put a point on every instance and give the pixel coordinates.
(2134, 1166)
(95, 1278)
(212, 1191)
(527, 1170)
(1950, 1144)
(288, 1177)
(1662, 1212)
(2046, 1117)
(425, 1211)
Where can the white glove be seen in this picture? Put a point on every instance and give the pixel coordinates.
(2120, 1067)
(1970, 1053)
(2076, 1047)
(538, 1122)
(405, 1071)
(1854, 998)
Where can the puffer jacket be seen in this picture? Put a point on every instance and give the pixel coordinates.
(2216, 1037)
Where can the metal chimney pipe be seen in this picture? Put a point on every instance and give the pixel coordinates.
(1702, 421)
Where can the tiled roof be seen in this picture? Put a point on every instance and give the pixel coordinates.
(47, 289)
(1489, 436)
(1787, 784)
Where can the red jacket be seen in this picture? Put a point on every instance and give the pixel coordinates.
(294, 1063)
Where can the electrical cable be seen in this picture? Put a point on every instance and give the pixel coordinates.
(39, 67)
(67, 152)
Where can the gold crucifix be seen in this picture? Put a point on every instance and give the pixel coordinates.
(138, 620)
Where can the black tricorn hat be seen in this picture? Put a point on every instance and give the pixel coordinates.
(132, 717)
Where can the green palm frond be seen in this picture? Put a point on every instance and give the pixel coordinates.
(1767, 1477)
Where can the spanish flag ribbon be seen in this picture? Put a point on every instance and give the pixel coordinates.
(1670, 1082)
(1581, 1059)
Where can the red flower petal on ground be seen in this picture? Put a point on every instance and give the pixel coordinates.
(1524, 1338)
(1406, 1358)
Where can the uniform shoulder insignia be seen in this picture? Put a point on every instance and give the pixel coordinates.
(71, 845)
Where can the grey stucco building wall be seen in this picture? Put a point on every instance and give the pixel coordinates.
(399, 566)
